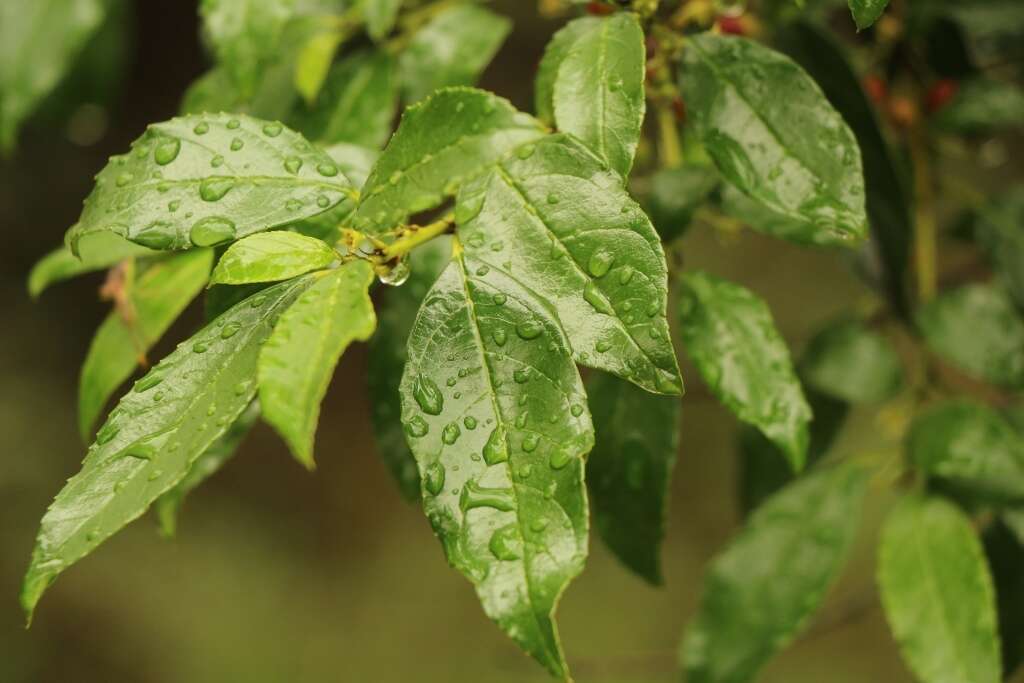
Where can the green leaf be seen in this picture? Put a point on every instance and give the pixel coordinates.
(970, 448)
(357, 104)
(850, 362)
(1005, 556)
(99, 252)
(977, 328)
(630, 470)
(453, 49)
(147, 445)
(212, 92)
(355, 161)
(760, 592)
(168, 506)
(1000, 230)
(39, 43)
(205, 179)
(551, 218)
(558, 48)
(773, 135)
(387, 356)
(154, 301)
(731, 338)
(490, 374)
(443, 141)
(937, 593)
(981, 105)
(299, 358)
(314, 61)
(676, 194)
(866, 12)
(271, 256)
(380, 16)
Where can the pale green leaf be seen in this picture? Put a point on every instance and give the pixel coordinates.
(760, 591)
(271, 256)
(148, 444)
(314, 61)
(937, 593)
(205, 179)
(630, 470)
(100, 251)
(848, 361)
(730, 336)
(556, 51)
(298, 360)
(866, 12)
(553, 219)
(154, 301)
(380, 16)
(496, 416)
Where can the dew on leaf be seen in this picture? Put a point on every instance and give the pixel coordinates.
(450, 434)
(166, 151)
(600, 263)
(433, 478)
(427, 395)
(212, 230)
(214, 188)
(495, 450)
(416, 427)
(529, 329)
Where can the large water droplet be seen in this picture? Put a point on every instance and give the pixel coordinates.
(212, 230)
(230, 330)
(500, 336)
(559, 459)
(576, 409)
(476, 496)
(167, 151)
(433, 478)
(292, 165)
(237, 144)
(157, 235)
(272, 130)
(214, 188)
(451, 432)
(496, 450)
(521, 375)
(593, 296)
(327, 170)
(108, 432)
(526, 151)
(427, 395)
(397, 274)
(416, 427)
(505, 543)
(600, 262)
(202, 128)
(470, 422)
(529, 329)
(148, 382)
(530, 443)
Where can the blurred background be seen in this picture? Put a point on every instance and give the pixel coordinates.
(282, 575)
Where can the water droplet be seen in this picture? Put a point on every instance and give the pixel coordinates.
(483, 270)
(272, 130)
(600, 262)
(292, 165)
(470, 422)
(202, 128)
(214, 188)
(529, 329)
(526, 151)
(521, 375)
(237, 144)
(552, 198)
(212, 230)
(497, 246)
(120, 486)
(505, 543)
(416, 427)
(293, 204)
(602, 346)
(626, 274)
(233, 124)
(667, 382)
(653, 308)
(427, 395)
(123, 179)
(395, 178)
(166, 151)
(323, 202)
(451, 381)
(530, 443)
(451, 432)
(156, 474)
(173, 205)
(156, 235)
(230, 330)
(257, 301)
(576, 409)
(476, 496)
(593, 296)
(496, 450)
(500, 336)
(499, 299)
(398, 273)
(108, 432)
(468, 208)
(148, 382)
(200, 347)
(559, 459)
(327, 170)
(433, 478)
(217, 161)
(241, 388)
(539, 524)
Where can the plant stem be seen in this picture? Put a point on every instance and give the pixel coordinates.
(415, 235)
(925, 233)
(670, 149)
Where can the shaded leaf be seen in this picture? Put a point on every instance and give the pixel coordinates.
(1005, 556)
(866, 12)
(676, 194)
(852, 363)
(271, 256)
(937, 593)
(314, 61)
(102, 251)
(298, 360)
(514, 521)
(380, 16)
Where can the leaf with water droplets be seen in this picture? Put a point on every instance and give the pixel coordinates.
(212, 191)
(298, 360)
(507, 497)
(168, 506)
(630, 469)
(978, 329)
(866, 12)
(271, 256)
(98, 252)
(147, 445)
(937, 593)
(453, 49)
(591, 81)
(563, 227)
(443, 141)
(731, 338)
(761, 590)
(387, 356)
(154, 301)
(774, 136)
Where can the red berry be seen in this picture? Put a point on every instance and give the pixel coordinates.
(876, 89)
(732, 26)
(599, 8)
(940, 94)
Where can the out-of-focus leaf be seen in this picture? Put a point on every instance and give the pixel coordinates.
(314, 61)
(453, 49)
(852, 363)
(148, 445)
(937, 593)
(245, 35)
(212, 92)
(676, 193)
(387, 356)
(731, 338)
(556, 221)
(496, 416)
(155, 300)
(298, 360)
(982, 104)
(999, 227)
(380, 16)
(977, 328)
(168, 506)
(971, 448)
(760, 592)
(269, 257)
(866, 12)
(772, 134)
(221, 177)
(630, 470)
(1005, 554)
(99, 252)
(448, 138)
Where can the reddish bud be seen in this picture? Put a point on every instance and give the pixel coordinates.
(902, 111)
(679, 108)
(940, 94)
(599, 8)
(876, 89)
(732, 26)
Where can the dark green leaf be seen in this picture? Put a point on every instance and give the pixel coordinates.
(555, 53)
(496, 417)
(1000, 229)
(441, 142)
(773, 135)
(205, 179)
(271, 256)
(453, 49)
(551, 218)
(977, 328)
(852, 363)
(971, 448)
(866, 12)
(100, 251)
(630, 470)
(298, 360)
(731, 338)
(387, 356)
(380, 16)
(981, 105)
(154, 301)
(206, 465)
(676, 193)
(760, 592)
(148, 444)
(1005, 555)
(937, 593)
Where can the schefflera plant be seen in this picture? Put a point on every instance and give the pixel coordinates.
(517, 255)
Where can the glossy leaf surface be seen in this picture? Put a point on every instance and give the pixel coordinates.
(852, 363)
(552, 219)
(730, 336)
(866, 12)
(496, 417)
(554, 54)
(298, 360)
(271, 256)
(937, 593)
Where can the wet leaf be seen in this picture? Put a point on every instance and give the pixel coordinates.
(271, 256)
